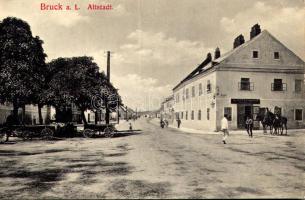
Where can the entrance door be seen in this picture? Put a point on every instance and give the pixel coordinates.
(243, 110)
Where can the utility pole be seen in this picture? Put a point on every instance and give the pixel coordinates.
(108, 77)
(118, 110)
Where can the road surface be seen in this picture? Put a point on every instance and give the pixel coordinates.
(155, 163)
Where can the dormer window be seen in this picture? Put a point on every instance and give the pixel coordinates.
(255, 54)
(276, 55)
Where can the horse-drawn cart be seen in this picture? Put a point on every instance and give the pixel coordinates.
(27, 131)
(91, 130)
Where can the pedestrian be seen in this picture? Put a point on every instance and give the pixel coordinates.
(224, 128)
(166, 123)
(130, 127)
(162, 123)
(249, 126)
(178, 122)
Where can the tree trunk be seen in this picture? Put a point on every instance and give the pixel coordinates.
(95, 117)
(40, 114)
(15, 109)
(23, 114)
(83, 117)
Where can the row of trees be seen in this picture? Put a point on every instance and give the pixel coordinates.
(26, 78)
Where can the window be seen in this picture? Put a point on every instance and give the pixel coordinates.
(193, 91)
(187, 93)
(208, 86)
(200, 89)
(181, 115)
(177, 97)
(276, 55)
(278, 85)
(255, 54)
(186, 115)
(298, 114)
(244, 84)
(208, 113)
(228, 113)
(192, 115)
(298, 85)
(199, 114)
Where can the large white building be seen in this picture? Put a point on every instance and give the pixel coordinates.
(257, 74)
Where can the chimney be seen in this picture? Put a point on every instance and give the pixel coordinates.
(255, 30)
(217, 53)
(238, 41)
(209, 57)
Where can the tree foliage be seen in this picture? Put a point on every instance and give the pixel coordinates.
(21, 62)
(76, 81)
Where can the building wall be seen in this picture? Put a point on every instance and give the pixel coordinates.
(225, 84)
(31, 113)
(199, 102)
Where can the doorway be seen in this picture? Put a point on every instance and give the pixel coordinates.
(243, 110)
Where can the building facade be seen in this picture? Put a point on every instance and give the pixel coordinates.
(255, 75)
(167, 109)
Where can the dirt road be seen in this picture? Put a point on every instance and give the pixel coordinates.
(155, 163)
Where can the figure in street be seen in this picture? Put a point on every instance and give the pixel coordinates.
(224, 128)
(249, 126)
(178, 122)
(162, 123)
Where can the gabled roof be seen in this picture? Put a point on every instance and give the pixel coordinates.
(205, 66)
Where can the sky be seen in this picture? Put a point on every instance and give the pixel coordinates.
(155, 43)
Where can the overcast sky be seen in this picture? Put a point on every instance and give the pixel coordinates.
(156, 43)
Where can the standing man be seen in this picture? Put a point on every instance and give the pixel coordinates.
(224, 128)
(178, 122)
(249, 126)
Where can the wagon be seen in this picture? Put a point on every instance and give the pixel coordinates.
(28, 131)
(91, 130)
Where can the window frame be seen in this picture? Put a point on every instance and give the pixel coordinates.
(200, 89)
(193, 91)
(302, 113)
(209, 88)
(186, 93)
(199, 115)
(295, 85)
(255, 51)
(278, 54)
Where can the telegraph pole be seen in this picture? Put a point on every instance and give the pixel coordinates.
(108, 77)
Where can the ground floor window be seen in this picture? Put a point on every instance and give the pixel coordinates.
(192, 115)
(298, 114)
(208, 113)
(186, 115)
(181, 115)
(199, 114)
(228, 113)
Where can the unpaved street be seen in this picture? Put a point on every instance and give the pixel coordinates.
(155, 163)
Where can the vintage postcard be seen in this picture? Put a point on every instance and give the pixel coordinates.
(152, 99)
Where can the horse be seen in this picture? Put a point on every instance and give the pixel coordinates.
(279, 123)
(267, 120)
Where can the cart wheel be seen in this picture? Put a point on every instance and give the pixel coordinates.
(108, 132)
(47, 134)
(2, 136)
(88, 133)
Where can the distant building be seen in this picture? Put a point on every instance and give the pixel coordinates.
(167, 109)
(257, 74)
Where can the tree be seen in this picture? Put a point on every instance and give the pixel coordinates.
(77, 81)
(21, 61)
(74, 81)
